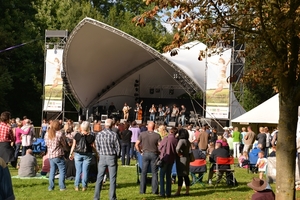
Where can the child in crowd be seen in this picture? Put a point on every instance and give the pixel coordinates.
(211, 147)
(244, 160)
(261, 164)
(230, 144)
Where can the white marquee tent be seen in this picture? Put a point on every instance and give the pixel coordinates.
(267, 112)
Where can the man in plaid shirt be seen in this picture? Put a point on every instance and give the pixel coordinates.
(108, 147)
(6, 139)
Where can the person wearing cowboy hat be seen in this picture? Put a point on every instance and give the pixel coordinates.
(262, 190)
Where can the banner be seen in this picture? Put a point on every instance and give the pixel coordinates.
(53, 85)
(217, 87)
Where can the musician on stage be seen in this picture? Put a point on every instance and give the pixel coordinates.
(182, 115)
(174, 114)
(161, 112)
(167, 114)
(152, 111)
(138, 111)
(125, 110)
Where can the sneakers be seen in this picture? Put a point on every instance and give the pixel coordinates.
(209, 182)
(62, 189)
(76, 189)
(83, 189)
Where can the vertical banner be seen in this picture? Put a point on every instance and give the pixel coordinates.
(53, 82)
(217, 87)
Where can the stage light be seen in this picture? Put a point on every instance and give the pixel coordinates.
(157, 90)
(171, 91)
(136, 89)
(136, 94)
(151, 90)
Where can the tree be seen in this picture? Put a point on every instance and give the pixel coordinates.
(270, 26)
(21, 73)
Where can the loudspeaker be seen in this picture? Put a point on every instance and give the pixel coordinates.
(103, 118)
(138, 121)
(173, 124)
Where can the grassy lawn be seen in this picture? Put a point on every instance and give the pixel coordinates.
(129, 189)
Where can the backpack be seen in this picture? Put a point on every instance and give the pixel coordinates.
(81, 145)
(231, 181)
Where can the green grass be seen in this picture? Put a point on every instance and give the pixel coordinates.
(129, 189)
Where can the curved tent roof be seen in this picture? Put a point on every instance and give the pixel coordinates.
(102, 62)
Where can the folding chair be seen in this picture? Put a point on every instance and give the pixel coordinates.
(198, 167)
(225, 165)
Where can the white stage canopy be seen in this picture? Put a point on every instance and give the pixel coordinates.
(267, 112)
(102, 63)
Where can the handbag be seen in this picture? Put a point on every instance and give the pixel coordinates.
(81, 145)
(191, 155)
(159, 162)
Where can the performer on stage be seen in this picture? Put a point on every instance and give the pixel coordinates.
(161, 112)
(167, 114)
(152, 111)
(174, 114)
(182, 115)
(126, 109)
(138, 111)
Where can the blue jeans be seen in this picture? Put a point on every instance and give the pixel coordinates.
(6, 188)
(182, 119)
(126, 152)
(17, 149)
(149, 158)
(82, 164)
(43, 134)
(152, 117)
(167, 119)
(111, 162)
(54, 163)
(133, 150)
(165, 171)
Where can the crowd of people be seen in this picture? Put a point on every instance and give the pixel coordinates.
(79, 143)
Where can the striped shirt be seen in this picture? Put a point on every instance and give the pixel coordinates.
(107, 143)
(55, 147)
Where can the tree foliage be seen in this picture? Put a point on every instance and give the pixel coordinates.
(270, 28)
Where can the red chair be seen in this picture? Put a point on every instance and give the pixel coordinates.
(198, 167)
(225, 165)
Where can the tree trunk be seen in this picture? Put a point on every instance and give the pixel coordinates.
(286, 147)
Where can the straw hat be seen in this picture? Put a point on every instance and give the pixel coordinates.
(225, 128)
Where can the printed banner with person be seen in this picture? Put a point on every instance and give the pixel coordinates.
(53, 85)
(217, 87)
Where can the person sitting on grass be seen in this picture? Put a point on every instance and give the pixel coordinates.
(28, 165)
(261, 189)
(261, 164)
(244, 160)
